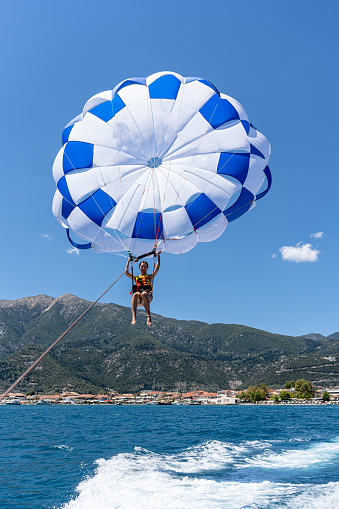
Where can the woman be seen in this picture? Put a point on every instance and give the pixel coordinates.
(142, 291)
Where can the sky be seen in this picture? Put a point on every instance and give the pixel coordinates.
(275, 268)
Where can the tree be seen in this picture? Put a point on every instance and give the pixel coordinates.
(255, 396)
(289, 385)
(325, 396)
(285, 395)
(264, 387)
(303, 389)
(30, 393)
(255, 393)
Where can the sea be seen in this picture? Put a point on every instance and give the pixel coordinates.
(173, 457)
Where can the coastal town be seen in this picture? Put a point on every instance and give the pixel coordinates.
(152, 397)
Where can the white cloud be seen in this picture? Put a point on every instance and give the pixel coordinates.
(317, 235)
(274, 255)
(73, 250)
(46, 236)
(299, 253)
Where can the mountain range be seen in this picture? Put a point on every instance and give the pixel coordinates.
(103, 351)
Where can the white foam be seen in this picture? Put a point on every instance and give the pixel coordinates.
(316, 455)
(146, 480)
(211, 455)
(323, 496)
(64, 447)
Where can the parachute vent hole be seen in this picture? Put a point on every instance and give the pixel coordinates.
(154, 162)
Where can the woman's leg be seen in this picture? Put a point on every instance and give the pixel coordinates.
(135, 299)
(145, 302)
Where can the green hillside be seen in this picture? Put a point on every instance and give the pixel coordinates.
(104, 351)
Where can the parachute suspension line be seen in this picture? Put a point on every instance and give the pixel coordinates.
(122, 243)
(154, 213)
(170, 162)
(130, 257)
(142, 213)
(35, 363)
(122, 194)
(126, 245)
(149, 122)
(175, 184)
(258, 197)
(157, 228)
(75, 169)
(95, 201)
(76, 244)
(152, 155)
(190, 154)
(154, 176)
(119, 240)
(89, 245)
(168, 171)
(153, 271)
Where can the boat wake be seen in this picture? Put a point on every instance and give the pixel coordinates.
(212, 474)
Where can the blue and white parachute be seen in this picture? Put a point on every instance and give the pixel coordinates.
(162, 161)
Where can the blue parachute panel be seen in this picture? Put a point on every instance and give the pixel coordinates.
(267, 172)
(68, 204)
(67, 208)
(218, 111)
(77, 154)
(64, 190)
(67, 130)
(165, 87)
(118, 104)
(246, 126)
(201, 210)
(235, 165)
(65, 133)
(103, 111)
(75, 244)
(240, 207)
(148, 225)
(106, 110)
(127, 157)
(97, 206)
(256, 152)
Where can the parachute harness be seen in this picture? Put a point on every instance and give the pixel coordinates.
(133, 259)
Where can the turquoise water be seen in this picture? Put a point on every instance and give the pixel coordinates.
(196, 457)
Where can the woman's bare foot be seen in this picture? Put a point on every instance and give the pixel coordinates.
(149, 320)
(133, 322)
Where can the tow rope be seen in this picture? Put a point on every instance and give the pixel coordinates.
(35, 363)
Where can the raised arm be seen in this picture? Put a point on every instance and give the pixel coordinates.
(127, 272)
(157, 267)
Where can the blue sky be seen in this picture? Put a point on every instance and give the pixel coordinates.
(278, 59)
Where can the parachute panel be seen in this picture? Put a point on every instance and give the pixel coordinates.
(161, 161)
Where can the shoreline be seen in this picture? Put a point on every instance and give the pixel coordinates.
(266, 404)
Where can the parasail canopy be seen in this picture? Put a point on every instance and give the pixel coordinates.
(162, 161)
